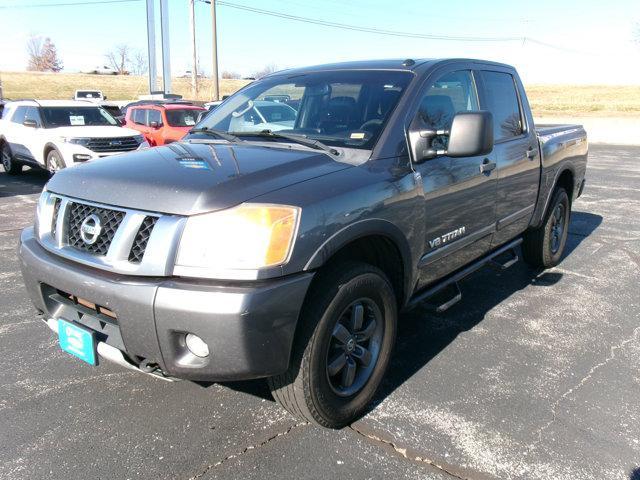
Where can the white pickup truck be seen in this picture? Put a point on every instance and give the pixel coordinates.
(55, 134)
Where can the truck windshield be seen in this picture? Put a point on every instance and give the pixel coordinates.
(75, 117)
(339, 108)
(182, 118)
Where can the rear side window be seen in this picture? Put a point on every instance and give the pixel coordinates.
(138, 116)
(502, 102)
(18, 117)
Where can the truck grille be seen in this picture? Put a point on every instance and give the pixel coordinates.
(141, 240)
(109, 219)
(114, 238)
(115, 144)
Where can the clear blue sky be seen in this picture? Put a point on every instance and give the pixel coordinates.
(595, 38)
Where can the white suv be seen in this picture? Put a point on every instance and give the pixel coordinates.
(55, 134)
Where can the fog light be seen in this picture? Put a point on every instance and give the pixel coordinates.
(196, 345)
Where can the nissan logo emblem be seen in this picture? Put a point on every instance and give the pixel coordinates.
(90, 229)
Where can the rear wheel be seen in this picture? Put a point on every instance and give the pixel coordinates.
(55, 162)
(11, 166)
(544, 246)
(343, 345)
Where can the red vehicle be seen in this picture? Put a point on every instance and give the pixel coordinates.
(163, 123)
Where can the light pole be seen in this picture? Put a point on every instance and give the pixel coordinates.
(151, 46)
(194, 60)
(214, 66)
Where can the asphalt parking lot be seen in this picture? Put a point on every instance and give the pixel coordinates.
(534, 375)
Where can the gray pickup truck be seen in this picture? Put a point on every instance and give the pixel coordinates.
(282, 245)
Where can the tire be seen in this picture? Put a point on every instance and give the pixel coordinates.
(544, 246)
(11, 166)
(54, 162)
(315, 388)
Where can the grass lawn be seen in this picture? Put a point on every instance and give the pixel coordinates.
(546, 100)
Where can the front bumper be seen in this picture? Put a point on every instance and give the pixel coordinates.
(248, 326)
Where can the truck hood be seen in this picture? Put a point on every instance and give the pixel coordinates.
(106, 131)
(189, 178)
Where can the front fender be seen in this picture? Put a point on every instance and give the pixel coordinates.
(360, 229)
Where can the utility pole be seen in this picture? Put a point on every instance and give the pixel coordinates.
(194, 60)
(214, 49)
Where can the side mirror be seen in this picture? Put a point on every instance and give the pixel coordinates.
(30, 123)
(154, 125)
(471, 134)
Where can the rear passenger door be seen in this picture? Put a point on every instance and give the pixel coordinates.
(17, 132)
(459, 199)
(516, 152)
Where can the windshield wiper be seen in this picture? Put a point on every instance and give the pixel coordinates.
(217, 133)
(301, 139)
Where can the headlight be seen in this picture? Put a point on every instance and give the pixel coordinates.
(139, 139)
(75, 141)
(43, 202)
(247, 237)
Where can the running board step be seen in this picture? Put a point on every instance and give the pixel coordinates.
(455, 297)
(509, 262)
(453, 279)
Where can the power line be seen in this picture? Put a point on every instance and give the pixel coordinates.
(395, 33)
(67, 4)
(378, 31)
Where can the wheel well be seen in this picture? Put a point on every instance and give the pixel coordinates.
(379, 251)
(47, 149)
(566, 181)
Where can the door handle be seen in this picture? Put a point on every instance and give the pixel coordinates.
(532, 153)
(486, 166)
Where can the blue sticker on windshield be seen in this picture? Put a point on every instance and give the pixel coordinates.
(191, 162)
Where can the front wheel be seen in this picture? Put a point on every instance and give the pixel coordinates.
(11, 166)
(343, 345)
(544, 246)
(55, 162)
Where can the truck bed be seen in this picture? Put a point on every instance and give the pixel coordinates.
(560, 146)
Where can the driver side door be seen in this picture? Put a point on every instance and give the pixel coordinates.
(459, 198)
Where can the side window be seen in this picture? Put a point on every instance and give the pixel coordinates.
(33, 114)
(502, 102)
(452, 93)
(18, 116)
(154, 116)
(138, 116)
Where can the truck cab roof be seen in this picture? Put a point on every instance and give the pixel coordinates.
(407, 64)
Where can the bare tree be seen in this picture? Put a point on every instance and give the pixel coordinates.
(230, 75)
(139, 63)
(34, 50)
(266, 70)
(43, 56)
(119, 58)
